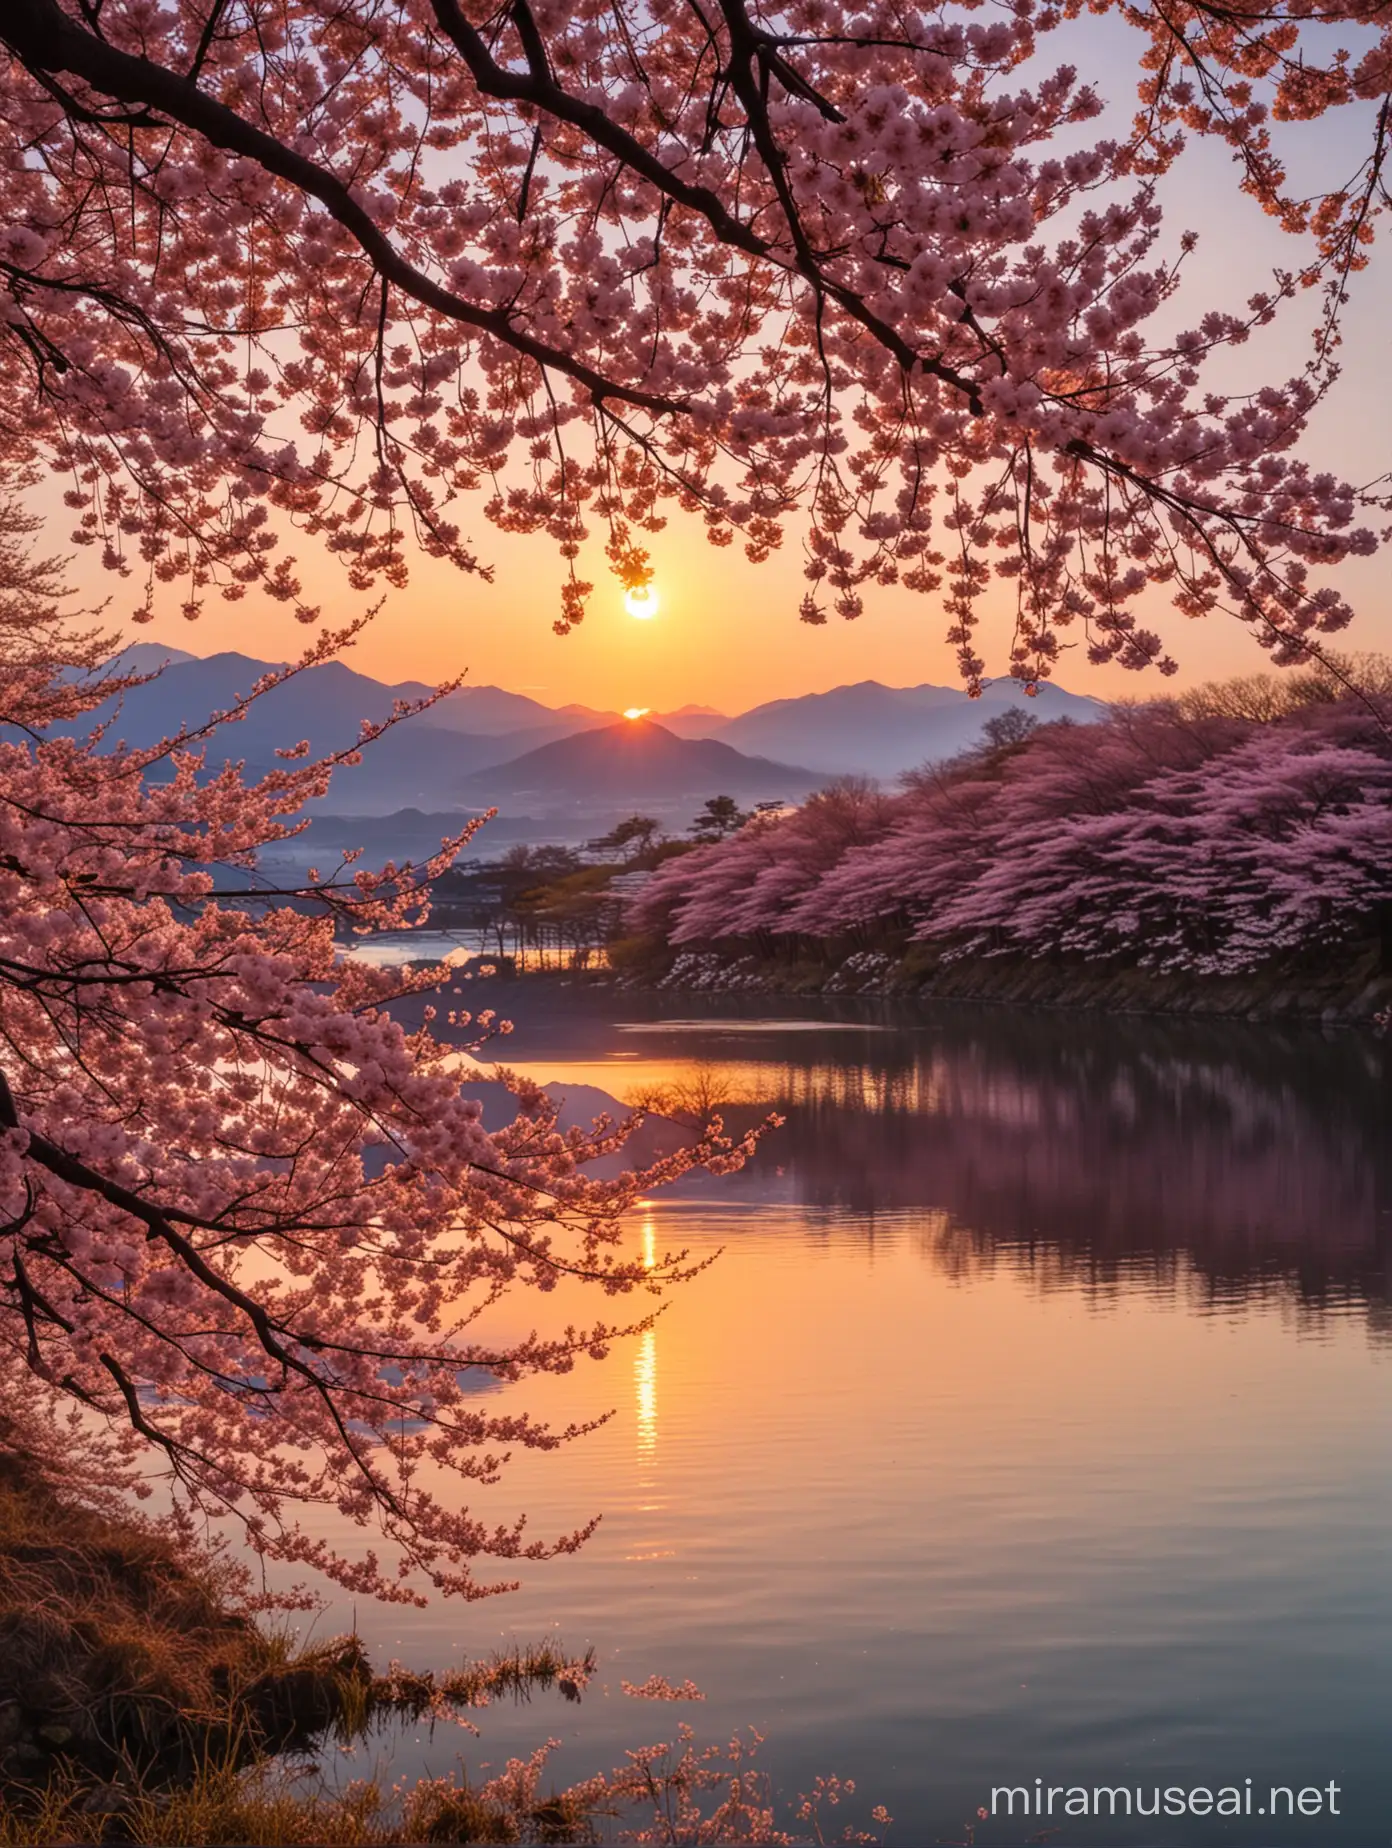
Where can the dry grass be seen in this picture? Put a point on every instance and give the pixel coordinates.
(235, 1808)
(139, 1703)
(117, 1646)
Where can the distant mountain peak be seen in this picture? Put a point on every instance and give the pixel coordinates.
(639, 759)
(146, 657)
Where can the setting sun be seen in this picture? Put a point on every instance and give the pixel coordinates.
(641, 602)
(637, 712)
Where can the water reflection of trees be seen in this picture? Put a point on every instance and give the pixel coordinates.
(1110, 1152)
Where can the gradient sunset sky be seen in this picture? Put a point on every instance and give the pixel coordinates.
(727, 633)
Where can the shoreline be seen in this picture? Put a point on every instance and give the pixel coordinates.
(1355, 995)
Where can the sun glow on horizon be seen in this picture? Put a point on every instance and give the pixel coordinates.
(641, 602)
(637, 712)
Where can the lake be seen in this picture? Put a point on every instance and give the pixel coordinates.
(1035, 1421)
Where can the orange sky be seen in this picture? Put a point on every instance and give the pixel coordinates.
(728, 633)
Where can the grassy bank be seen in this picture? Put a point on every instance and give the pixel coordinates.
(140, 1703)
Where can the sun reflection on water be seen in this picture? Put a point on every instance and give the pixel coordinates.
(645, 1362)
(645, 1391)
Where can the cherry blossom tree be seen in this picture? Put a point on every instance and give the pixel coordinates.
(746, 887)
(1282, 843)
(275, 264)
(250, 1226)
(1177, 837)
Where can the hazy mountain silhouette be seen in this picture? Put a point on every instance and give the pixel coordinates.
(324, 704)
(492, 711)
(638, 759)
(413, 763)
(437, 759)
(693, 721)
(148, 658)
(873, 730)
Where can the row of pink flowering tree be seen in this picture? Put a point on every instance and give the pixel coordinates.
(1182, 835)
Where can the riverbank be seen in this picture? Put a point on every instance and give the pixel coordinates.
(1354, 991)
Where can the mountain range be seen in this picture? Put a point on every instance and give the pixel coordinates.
(484, 745)
(873, 730)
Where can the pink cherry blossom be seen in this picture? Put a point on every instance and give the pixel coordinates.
(250, 1224)
(874, 277)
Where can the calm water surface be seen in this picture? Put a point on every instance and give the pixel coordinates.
(1035, 1421)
